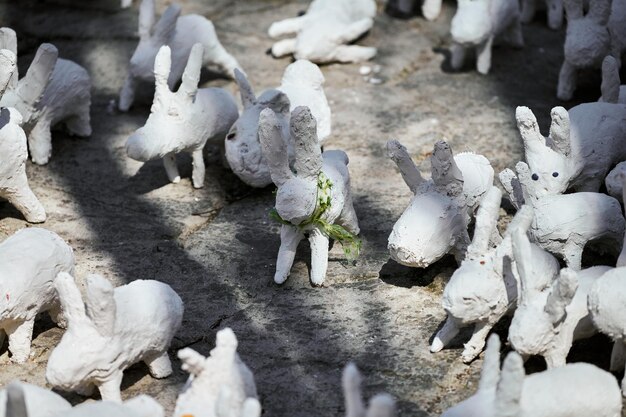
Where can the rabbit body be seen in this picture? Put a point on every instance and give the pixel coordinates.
(29, 262)
(323, 32)
(36, 401)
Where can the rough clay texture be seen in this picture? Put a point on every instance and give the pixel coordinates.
(37, 401)
(216, 246)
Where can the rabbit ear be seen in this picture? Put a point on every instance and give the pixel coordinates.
(534, 142)
(251, 408)
(32, 86)
(162, 65)
(490, 373)
(165, 27)
(351, 383)
(278, 102)
(522, 220)
(486, 221)
(600, 11)
(561, 295)
(147, 16)
(8, 40)
(610, 80)
(248, 99)
(410, 174)
(274, 147)
(512, 186)
(192, 361)
(70, 298)
(16, 403)
(446, 173)
(525, 179)
(225, 345)
(303, 129)
(560, 130)
(509, 390)
(191, 76)
(522, 253)
(381, 405)
(100, 304)
(8, 62)
(573, 9)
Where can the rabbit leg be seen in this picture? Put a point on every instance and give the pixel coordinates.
(555, 14)
(353, 53)
(20, 336)
(40, 142)
(286, 26)
(284, 47)
(127, 95)
(573, 254)
(289, 238)
(431, 9)
(348, 218)
(567, 81)
(555, 359)
(198, 171)
(56, 314)
(444, 335)
(215, 53)
(171, 168)
(160, 366)
(514, 35)
(528, 10)
(22, 198)
(617, 356)
(80, 124)
(457, 56)
(110, 389)
(319, 256)
(476, 342)
(483, 62)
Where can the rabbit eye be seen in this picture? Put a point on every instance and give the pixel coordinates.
(172, 111)
(231, 136)
(555, 174)
(535, 177)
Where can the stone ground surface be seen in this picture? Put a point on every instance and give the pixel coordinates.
(216, 246)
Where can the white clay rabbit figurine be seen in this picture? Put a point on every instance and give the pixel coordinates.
(381, 405)
(20, 399)
(554, 9)
(112, 330)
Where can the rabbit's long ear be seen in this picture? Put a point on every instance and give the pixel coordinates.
(147, 16)
(410, 174)
(446, 174)
(225, 350)
(162, 65)
(248, 98)
(192, 361)
(16, 403)
(191, 77)
(561, 295)
(303, 127)
(381, 405)
(274, 147)
(560, 130)
(486, 221)
(100, 304)
(70, 298)
(251, 408)
(33, 85)
(522, 253)
(512, 186)
(534, 142)
(525, 179)
(8, 62)
(278, 102)
(490, 373)
(610, 80)
(351, 383)
(600, 11)
(573, 9)
(165, 27)
(8, 40)
(509, 390)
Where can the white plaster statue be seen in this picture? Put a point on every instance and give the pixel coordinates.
(180, 33)
(612, 91)
(380, 405)
(613, 181)
(315, 200)
(485, 286)
(182, 121)
(477, 23)
(590, 38)
(29, 262)
(554, 10)
(53, 91)
(302, 85)
(20, 399)
(549, 318)
(324, 33)
(112, 330)
(219, 385)
(435, 222)
(574, 390)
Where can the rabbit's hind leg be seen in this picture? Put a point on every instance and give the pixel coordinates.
(159, 365)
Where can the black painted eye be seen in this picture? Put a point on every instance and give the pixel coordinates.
(231, 136)
(535, 177)
(555, 174)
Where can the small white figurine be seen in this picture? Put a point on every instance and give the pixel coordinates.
(590, 38)
(613, 181)
(222, 379)
(315, 200)
(324, 33)
(435, 222)
(112, 330)
(180, 34)
(477, 23)
(485, 286)
(53, 91)
(182, 121)
(549, 318)
(554, 9)
(29, 262)
(20, 399)
(612, 91)
(574, 390)
(381, 405)
(302, 85)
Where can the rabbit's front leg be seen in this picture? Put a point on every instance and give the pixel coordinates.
(483, 51)
(319, 255)
(617, 356)
(554, 359)
(457, 57)
(353, 53)
(476, 342)
(555, 13)
(110, 389)
(22, 198)
(40, 141)
(171, 168)
(286, 26)
(198, 171)
(284, 47)
(567, 81)
(127, 95)
(289, 238)
(431, 9)
(445, 335)
(528, 10)
(20, 336)
(348, 218)
(159, 365)
(573, 254)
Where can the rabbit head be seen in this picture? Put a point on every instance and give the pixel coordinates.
(172, 118)
(87, 348)
(548, 158)
(303, 72)
(472, 23)
(296, 197)
(243, 150)
(152, 37)
(542, 300)
(588, 40)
